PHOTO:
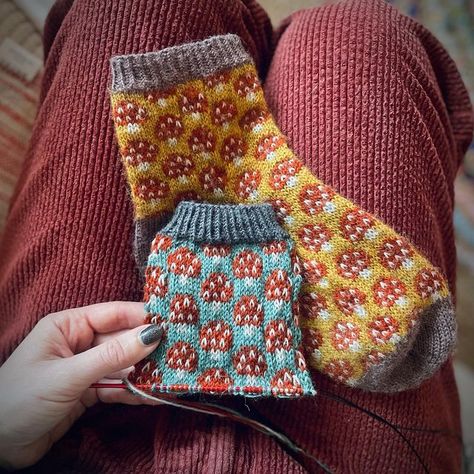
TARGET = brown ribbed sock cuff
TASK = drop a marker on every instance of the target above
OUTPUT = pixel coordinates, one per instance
(177, 64)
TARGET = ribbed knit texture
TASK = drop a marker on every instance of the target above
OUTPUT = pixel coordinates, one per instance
(369, 100)
(178, 64)
(225, 223)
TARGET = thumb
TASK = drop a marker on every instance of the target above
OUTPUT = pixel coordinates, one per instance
(115, 354)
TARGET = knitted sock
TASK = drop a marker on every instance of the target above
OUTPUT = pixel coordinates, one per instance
(192, 124)
(222, 280)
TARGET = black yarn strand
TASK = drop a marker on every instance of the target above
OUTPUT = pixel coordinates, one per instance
(380, 419)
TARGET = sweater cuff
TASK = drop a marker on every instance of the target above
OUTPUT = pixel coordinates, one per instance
(177, 64)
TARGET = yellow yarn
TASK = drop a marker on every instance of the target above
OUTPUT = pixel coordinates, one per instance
(341, 344)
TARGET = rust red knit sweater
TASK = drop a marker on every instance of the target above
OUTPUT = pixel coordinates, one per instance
(372, 103)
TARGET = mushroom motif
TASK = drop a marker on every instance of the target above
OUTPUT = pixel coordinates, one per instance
(215, 336)
(129, 114)
(248, 311)
(350, 301)
(169, 127)
(217, 288)
(182, 356)
(357, 225)
(295, 262)
(345, 335)
(217, 251)
(429, 283)
(145, 372)
(314, 272)
(215, 380)
(178, 166)
(139, 153)
(284, 174)
(183, 309)
(340, 370)
(160, 97)
(282, 211)
(248, 360)
(285, 382)
(300, 361)
(267, 147)
(218, 80)
(156, 283)
(160, 243)
(247, 265)
(312, 341)
(274, 247)
(278, 286)
(247, 184)
(253, 119)
(184, 262)
(278, 336)
(154, 318)
(395, 253)
(389, 291)
(246, 85)
(316, 198)
(151, 190)
(314, 306)
(384, 329)
(223, 112)
(233, 149)
(213, 179)
(202, 141)
(353, 263)
(193, 102)
(315, 237)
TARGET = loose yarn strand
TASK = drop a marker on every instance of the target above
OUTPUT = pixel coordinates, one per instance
(225, 412)
(264, 426)
(379, 418)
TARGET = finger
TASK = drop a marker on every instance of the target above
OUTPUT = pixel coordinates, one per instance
(79, 326)
(101, 338)
(114, 395)
(120, 374)
(112, 316)
(113, 355)
(122, 395)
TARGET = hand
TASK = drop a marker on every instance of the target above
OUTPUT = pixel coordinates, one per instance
(44, 385)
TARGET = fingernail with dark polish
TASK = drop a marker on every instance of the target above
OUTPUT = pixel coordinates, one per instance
(150, 334)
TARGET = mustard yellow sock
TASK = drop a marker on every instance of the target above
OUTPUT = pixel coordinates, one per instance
(192, 124)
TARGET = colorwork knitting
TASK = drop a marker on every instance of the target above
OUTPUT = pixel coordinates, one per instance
(192, 124)
(223, 282)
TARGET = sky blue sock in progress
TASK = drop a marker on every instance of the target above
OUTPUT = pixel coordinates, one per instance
(223, 281)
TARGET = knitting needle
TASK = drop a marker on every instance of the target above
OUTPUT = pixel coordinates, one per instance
(114, 385)
(108, 385)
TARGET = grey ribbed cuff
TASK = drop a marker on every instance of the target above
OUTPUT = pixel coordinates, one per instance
(177, 64)
(224, 223)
